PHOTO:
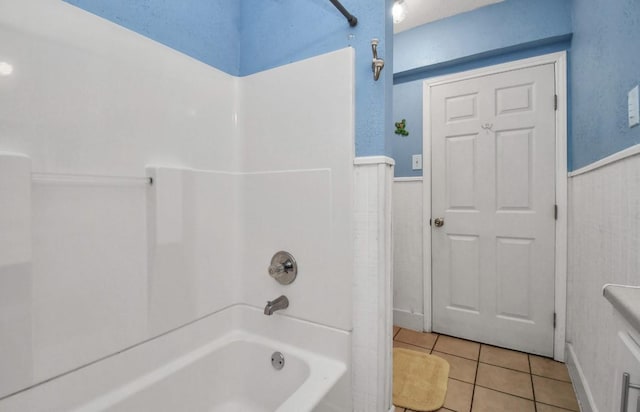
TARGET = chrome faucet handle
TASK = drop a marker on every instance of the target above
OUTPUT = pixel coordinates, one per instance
(283, 268)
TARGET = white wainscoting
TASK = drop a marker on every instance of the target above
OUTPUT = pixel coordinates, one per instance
(408, 222)
(373, 285)
(604, 245)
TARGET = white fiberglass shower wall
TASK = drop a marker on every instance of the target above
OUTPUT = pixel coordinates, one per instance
(241, 167)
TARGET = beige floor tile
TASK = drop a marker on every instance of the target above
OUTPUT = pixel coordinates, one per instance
(458, 347)
(505, 358)
(397, 344)
(549, 368)
(504, 380)
(459, 396)
(396, 329)
(459, 368)
(486, 400)
(398, 409)
(554, 392)
(422, 339)
(541, 407)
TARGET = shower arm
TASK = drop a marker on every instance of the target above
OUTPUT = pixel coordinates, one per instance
(353, 21)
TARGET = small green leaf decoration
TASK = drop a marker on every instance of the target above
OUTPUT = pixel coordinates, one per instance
(400, 128)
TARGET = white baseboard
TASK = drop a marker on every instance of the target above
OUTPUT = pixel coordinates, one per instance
(408, 320)
(580, 384)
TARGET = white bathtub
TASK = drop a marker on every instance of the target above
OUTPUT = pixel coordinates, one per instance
(219, 363)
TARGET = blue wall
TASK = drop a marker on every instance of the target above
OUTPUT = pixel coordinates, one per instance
(407, 104)
(605, 64)
(504, 25)
(205, 30)
(248, 36)
(507, 31)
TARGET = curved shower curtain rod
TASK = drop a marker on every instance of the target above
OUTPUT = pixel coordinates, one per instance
(350, 17)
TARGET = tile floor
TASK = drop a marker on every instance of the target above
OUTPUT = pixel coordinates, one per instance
(485, 378)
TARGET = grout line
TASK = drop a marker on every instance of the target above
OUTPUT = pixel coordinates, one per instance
(457, 356)
(475, 379)
(434, 344)
(460, 380)
(504, 367)
(511, 350)
(396, 334)
(415, 346)
(556, 406)
(553, 379)
(506, 393)
(533, 390)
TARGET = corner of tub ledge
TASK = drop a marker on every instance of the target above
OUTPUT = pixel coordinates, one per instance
(608, 287)
(626, 301)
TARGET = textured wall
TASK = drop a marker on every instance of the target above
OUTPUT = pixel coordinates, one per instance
(604, 239)
(604, 66)
(205, 30)
(407, 104)
(491, 35)
(499, 26)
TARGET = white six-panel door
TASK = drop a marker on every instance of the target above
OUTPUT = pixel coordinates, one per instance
(493, 186)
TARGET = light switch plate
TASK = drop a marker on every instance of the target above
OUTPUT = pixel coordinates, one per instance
(634, 107)
(416, 162)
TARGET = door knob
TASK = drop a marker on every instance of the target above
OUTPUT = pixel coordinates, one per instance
(439, 222)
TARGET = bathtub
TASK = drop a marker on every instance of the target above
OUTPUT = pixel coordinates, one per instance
(221, 362)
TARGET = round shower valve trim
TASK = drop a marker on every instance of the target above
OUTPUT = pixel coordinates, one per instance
(283, 268)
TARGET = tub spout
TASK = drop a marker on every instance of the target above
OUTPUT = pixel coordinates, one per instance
(280, 303)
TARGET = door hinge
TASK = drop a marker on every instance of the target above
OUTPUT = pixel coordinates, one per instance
(555, 102)
(555, 212)
(554, 320)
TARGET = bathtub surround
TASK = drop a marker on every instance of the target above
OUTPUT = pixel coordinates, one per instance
(15, 272)
(219, 362)
(272, 34)
(115, 264)
(188, 212)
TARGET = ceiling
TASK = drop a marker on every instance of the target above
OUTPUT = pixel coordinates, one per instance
(424, 11)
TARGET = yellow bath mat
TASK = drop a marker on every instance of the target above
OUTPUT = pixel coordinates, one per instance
(419, 380)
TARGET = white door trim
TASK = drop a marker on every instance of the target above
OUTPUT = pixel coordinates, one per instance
(559, 60)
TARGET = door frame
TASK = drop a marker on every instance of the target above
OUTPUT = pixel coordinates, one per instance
(559, 60)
